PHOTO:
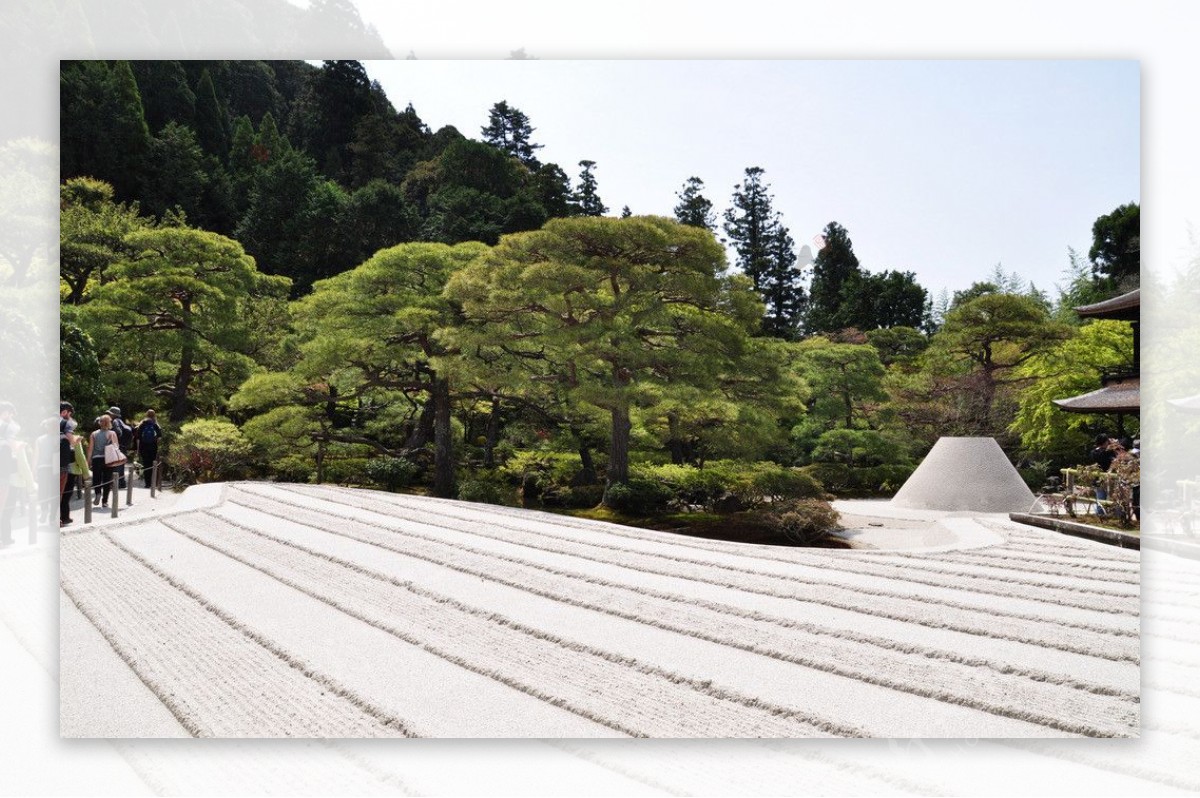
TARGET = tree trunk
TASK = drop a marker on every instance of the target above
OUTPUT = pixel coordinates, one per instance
(675, 443)
(183, 376)
(423, 432)
(443, 446)
(587, 470)
(618, 452)
(492, 434)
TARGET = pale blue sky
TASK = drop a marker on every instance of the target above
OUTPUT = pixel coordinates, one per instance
(944, 168)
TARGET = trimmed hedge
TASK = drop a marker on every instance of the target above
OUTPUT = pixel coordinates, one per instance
(844, 480)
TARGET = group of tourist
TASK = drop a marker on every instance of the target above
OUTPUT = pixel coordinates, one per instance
(108, 448)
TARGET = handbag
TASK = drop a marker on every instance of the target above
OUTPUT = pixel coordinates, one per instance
(113, 456)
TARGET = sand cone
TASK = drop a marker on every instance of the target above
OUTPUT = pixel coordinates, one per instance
(965, 474)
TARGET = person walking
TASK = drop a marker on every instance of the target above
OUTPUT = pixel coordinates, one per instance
(146, 436)
(102, 475)
(125, 440)
(67, 442)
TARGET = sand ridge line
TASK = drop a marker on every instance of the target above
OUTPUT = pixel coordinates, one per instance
(920, 610)
(697, 705)
(1077, 596)
(532, 577)
(269, 689)
(1047, 567)
(994, 693)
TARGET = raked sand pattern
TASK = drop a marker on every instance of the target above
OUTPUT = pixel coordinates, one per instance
(311, 611)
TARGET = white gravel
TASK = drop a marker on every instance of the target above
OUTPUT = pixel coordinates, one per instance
(272, 610)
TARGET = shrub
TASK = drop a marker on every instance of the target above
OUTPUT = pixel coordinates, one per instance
(209, 450)
(844, 480)
(485, 487)
(802, 521)
(346, 470)
(638, 497)
(293, 468)
(550, 478)
(392, 473)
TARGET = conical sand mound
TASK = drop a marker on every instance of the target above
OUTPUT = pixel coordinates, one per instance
(965, 474)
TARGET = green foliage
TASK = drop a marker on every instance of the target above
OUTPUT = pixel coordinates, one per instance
(766, 254)
(1069, 369)
(586, 200)
(179, 312)
(694, 208)
(79, 367)
(858, 447)
(392, 473)
(508, 130)
(92, 230)
(1116, 248)
(728, 484)
(898, 345)
(606, 309)
(638, 497)
(486, 488)
(209, 450)
(835, 266)
(842, 479)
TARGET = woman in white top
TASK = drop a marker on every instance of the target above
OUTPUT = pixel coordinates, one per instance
(101, 437)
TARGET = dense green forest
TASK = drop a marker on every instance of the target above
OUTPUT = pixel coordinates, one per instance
(314, 285)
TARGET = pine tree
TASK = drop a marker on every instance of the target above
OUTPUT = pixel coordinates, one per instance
(509, 130)
(694, 208)
(766, 254)
(586, 201)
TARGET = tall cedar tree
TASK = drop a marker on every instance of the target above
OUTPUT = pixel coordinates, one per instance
(694, 208)
(835, 266)
(586, 200)
(766, 254)
(210, 118)
(509, 130)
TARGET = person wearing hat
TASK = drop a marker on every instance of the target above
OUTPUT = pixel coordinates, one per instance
(124, 440)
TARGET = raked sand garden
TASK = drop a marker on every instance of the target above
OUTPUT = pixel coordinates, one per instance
(272, 610)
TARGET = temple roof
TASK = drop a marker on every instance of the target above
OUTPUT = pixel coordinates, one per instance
(1116, 397)
(1126, 307)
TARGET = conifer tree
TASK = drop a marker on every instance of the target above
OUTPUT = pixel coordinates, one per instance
(586, 201)
(210, 118)
(834, 267)
(509, 130)
(766, 254)
(694, 208)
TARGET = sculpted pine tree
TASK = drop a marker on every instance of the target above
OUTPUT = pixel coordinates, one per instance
(182, 308)
(611, 307)
(376, 329)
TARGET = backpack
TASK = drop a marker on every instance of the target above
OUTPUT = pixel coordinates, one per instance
(149, 432)
(65, 455)
(124, 434)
